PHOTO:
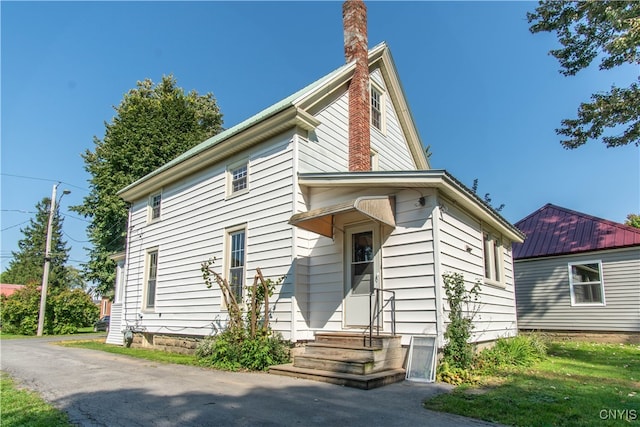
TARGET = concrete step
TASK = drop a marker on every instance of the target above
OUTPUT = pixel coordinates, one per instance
(365, 382)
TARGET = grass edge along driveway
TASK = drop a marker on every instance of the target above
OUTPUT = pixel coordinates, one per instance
(579, 384)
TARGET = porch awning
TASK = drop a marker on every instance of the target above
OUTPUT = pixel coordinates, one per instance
(378, 208)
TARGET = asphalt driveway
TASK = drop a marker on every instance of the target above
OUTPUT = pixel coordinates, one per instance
(102, 389)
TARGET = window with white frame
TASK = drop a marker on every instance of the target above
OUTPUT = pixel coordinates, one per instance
(585, 283)
(377, 108)
(237, 255)
(492, 254)
(238, 175)
(151, 279)
(154, 206)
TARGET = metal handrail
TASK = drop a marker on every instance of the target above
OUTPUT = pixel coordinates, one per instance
(379, 310)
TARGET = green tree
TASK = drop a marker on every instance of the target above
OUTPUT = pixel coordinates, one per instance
(609, 30)
(153, 125)
(633, 220)
(27, 264)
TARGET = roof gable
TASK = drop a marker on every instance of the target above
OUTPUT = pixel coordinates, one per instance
(290, 111)
(553, 230)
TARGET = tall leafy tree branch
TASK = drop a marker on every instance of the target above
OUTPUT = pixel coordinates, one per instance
(153, 124)
(587, 30)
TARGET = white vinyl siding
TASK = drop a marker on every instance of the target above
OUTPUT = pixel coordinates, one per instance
(461, 251)
(196, 215)
(326, 149)
(544, 295)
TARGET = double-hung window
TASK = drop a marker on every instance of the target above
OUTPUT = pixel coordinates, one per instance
(236, 261)
(237, 178)
(492, 254)
(377, 111)
(152, 277)
(154, 206)
(585, 283)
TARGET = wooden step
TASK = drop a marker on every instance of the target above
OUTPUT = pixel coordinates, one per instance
(357, 339)
(365, 382)
(347, 365)
(351, 352)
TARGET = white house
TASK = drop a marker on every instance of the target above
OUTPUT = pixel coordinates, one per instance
(330, 187)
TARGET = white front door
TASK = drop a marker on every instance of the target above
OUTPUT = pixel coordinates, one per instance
(361, 275)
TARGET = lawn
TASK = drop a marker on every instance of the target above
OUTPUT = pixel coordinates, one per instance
(25, 408)
(579, 384)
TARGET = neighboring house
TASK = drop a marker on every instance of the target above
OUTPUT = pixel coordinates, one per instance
(331, 188)
(576, 272)
(7, 289)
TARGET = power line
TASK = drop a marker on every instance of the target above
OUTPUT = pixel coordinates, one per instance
(18, 210)
(44, 179)
(14, 226)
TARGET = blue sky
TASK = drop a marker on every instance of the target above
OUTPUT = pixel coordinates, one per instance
(484, 92)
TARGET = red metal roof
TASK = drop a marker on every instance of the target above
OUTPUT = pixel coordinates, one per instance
(553, 230)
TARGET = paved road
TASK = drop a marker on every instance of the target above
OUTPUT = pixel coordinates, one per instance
(102, 389)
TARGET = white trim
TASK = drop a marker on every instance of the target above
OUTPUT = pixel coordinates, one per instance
(571, 284)
(382, 100)
(145, 285)
(495, 252)
(150, 207)
(229, 231)
(231, 167)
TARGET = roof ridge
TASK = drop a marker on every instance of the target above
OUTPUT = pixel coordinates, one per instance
(595, 218)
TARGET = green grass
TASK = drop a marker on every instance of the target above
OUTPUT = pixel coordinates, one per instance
(141, 353)
(25, 408)
(579, 384)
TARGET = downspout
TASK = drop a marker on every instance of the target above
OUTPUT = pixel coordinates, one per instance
(437, 271)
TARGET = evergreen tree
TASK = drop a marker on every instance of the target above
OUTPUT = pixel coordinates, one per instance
(153, 125)
(27, 264)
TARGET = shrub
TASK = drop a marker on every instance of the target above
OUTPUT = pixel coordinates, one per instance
(66, 311)
(458, 352)
(522, 350)
(226, 351)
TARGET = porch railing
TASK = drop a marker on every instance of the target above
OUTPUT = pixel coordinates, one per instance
(376, 310)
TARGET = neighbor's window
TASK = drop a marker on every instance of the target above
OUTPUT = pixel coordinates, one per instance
(585, 282)
(238, 175)
(492, 254)
(154, 206)
(376, 108)
(152, 277)
(237, 255)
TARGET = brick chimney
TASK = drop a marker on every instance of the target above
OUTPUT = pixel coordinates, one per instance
(354, 19)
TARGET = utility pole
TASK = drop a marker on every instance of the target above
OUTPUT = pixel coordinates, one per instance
(47, 259)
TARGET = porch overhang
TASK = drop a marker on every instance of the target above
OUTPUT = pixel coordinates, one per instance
(321, 221)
